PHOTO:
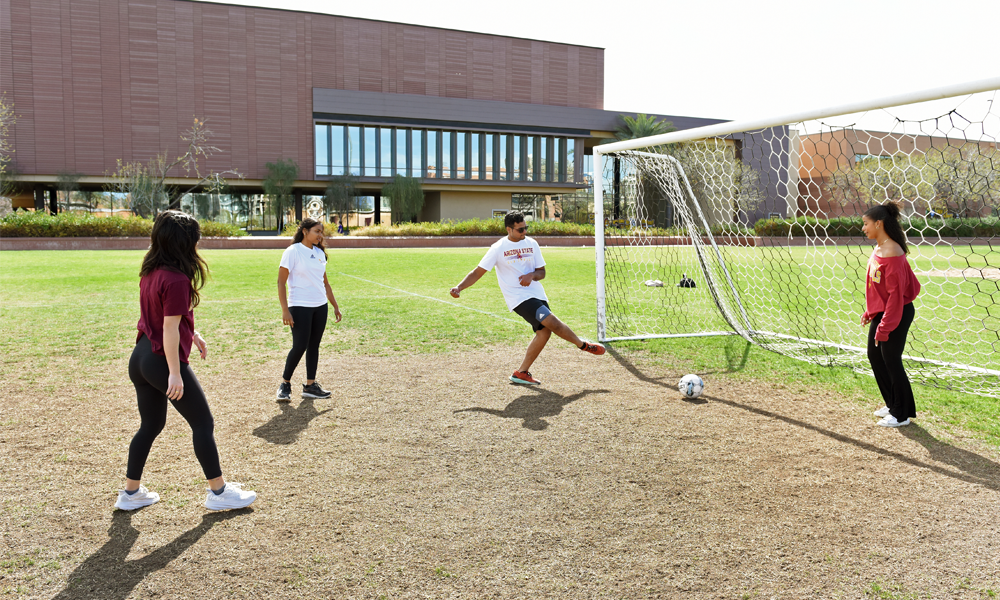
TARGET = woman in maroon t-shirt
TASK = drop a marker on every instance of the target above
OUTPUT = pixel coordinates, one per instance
(172, 273)
(890, 287)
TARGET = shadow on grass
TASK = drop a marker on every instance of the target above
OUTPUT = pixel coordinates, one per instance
(532, 408)
(285, 428)
(972, 468)
(985, 472)
(107, 575)
(971, 463)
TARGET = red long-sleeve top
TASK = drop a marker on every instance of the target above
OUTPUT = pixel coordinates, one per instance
(890, 284)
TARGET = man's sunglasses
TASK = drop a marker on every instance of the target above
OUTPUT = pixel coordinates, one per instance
(520, 229)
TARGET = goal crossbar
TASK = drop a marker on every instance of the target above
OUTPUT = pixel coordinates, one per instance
(730, 127)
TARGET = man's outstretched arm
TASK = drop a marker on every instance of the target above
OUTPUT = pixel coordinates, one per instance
(469, 281)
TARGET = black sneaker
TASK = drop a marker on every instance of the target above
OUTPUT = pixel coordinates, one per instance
(314, 390)
(285, 392)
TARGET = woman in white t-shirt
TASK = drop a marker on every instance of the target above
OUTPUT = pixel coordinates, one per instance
(303, 307)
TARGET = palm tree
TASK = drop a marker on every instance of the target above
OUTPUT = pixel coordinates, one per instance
(641, 126)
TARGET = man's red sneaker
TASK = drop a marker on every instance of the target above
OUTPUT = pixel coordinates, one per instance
(593, 348)
(525, 378)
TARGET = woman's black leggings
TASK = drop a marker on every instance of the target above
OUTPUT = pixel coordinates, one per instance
(887, 363)
(148, 372)
(310, 323)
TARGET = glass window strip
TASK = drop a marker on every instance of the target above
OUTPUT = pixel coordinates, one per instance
(417, 153)
(372, 151)
(402, 151)
(474, 156)
(433, 157)
(385, 151)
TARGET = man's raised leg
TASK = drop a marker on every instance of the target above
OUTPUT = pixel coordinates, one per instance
(553, 324)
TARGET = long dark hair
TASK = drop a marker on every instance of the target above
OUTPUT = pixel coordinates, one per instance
(300, 233)
(174, 246)
(888, 213)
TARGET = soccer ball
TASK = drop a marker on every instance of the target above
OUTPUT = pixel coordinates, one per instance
(691, 386)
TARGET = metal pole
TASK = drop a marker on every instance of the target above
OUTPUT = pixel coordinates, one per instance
(618, 189)
(599, 242)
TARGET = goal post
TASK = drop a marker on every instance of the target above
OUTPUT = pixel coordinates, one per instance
(752, 228)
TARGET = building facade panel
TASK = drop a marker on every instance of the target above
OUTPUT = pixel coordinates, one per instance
(240, 146)
(86, 87)
(47, 85)
(124, 78)
(6, 54)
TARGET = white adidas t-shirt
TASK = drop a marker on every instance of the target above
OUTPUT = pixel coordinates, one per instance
(513, 259)
(306, 267)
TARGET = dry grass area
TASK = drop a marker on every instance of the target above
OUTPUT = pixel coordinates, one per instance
(432, 477)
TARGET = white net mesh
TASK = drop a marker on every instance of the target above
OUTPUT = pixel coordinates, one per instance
(766, 226)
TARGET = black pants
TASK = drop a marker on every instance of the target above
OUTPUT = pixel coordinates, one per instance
(310, 323)
(887, 363)
(148, 372)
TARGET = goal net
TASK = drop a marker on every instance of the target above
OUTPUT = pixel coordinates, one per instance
(754, 229)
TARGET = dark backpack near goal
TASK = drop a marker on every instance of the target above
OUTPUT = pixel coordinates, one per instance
(686, 282)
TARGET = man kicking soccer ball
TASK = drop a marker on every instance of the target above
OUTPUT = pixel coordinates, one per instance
(520, 267)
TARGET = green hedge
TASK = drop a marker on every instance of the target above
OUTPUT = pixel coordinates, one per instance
(490, 227)
(495, 228)
(40, 224)
(851, 226)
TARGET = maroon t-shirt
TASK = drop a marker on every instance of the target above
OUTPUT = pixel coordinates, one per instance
(165, 293)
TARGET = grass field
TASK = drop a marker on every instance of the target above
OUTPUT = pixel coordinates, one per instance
(427, 475)
(818, 293)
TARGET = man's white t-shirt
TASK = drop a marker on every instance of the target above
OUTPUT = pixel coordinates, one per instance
(306, 267)
(513, 259)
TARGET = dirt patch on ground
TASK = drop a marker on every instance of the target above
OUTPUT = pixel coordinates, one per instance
(432, 477)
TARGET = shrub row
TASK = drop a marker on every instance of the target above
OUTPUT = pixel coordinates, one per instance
(495, 227)
(851, 226)
(489, 227)
(40, 224)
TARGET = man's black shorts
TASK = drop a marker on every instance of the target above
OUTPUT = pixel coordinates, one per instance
(533, 311)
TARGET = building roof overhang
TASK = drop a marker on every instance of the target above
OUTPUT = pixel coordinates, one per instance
(416, 110)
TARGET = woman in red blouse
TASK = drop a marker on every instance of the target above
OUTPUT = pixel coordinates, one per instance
(890, 288)
(171, 276)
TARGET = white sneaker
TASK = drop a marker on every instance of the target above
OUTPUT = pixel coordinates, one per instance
(142, 497)
(232, 496)
(882, 412)
(890, 421)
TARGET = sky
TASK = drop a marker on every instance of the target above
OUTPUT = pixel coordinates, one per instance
(732, 59)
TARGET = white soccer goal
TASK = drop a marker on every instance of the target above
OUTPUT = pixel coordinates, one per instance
(711, 206)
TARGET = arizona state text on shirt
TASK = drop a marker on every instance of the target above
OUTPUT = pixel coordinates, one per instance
(518, 252)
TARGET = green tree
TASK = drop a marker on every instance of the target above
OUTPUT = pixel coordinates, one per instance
(655, 207)
(68, 182)
(338, 199)
(144, 185)
(959, 180)
(642, 125)
(278, 184)
(722, 183)
(406, 197)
